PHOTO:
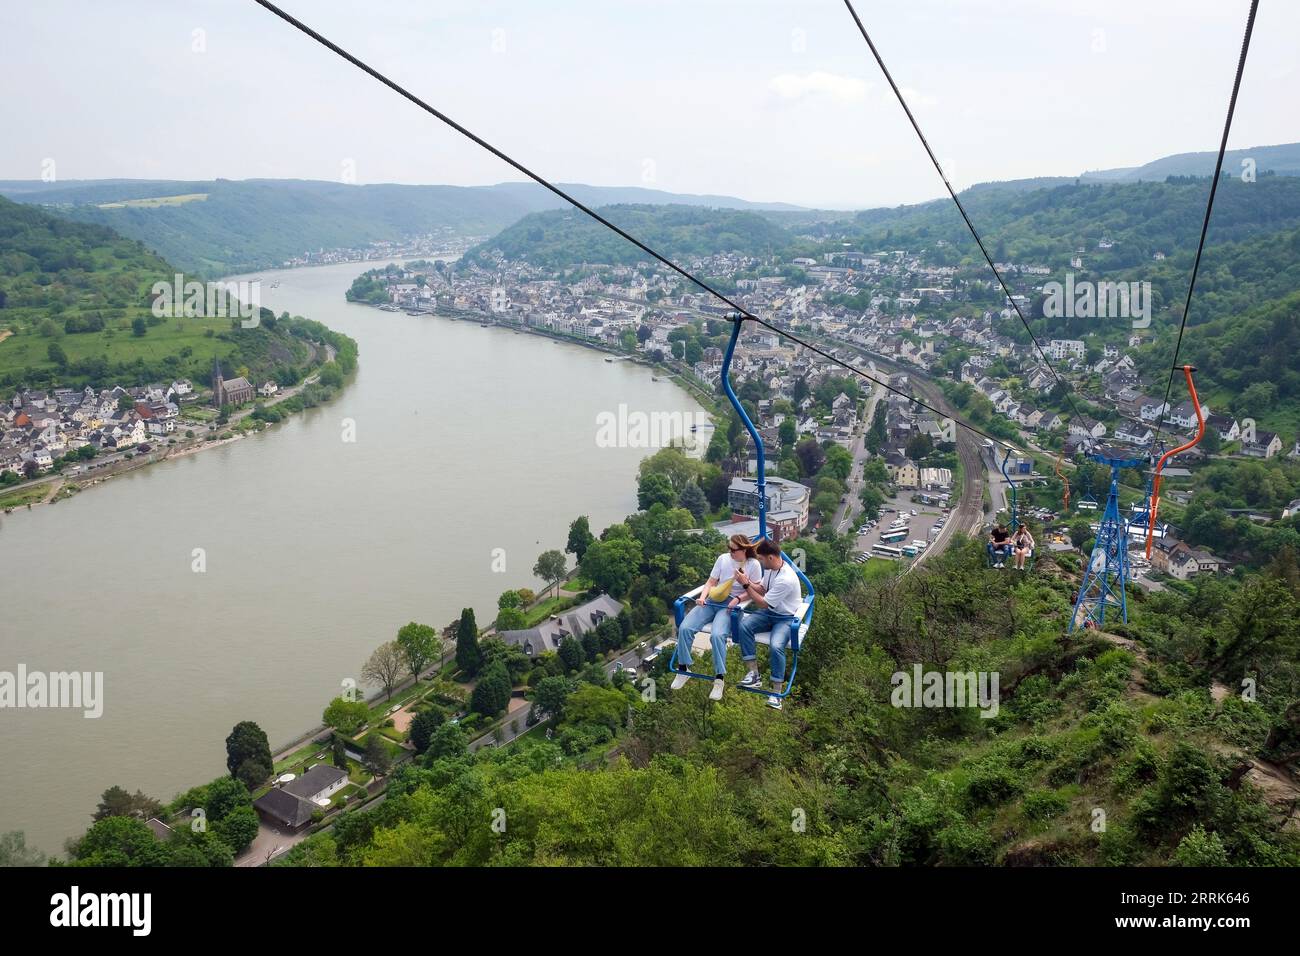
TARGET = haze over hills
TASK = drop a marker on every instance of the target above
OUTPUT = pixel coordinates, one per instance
(222, 226)
(226, 226)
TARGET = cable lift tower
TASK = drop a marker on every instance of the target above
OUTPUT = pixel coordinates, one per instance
(1105, 579)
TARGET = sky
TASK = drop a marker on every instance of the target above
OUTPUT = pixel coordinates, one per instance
(768, 101)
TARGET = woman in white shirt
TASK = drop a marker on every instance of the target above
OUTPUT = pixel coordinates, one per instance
(721, 595)
(1022, 546)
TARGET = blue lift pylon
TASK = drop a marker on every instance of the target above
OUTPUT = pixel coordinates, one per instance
(1105, 579)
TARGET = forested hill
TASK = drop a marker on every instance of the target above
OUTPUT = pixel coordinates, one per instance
(1096, 749)
(563, 238)
(1050, 224)
(225, 226)
(75, 310)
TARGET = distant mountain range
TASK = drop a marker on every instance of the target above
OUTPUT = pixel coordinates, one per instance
(222, 226)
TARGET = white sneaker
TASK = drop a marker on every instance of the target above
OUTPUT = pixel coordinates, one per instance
(715, 692)
(679, 681)
(774, 702)
(751, 679)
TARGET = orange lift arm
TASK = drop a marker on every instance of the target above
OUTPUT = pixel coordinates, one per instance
(1065, 481)
(1155, 484)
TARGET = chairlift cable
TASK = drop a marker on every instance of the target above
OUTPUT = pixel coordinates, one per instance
(902, 101)
(741, 313)
(1209, 208)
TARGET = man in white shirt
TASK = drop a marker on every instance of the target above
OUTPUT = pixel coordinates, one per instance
(715, 612)
(775, 602)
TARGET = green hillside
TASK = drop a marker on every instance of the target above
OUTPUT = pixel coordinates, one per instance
(75, 310)
(1100, 749)
(564, 238)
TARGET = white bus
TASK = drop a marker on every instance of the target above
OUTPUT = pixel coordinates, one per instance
(898, 534)
(885, 551)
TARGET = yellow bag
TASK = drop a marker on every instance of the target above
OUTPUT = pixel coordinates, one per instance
(721, 592)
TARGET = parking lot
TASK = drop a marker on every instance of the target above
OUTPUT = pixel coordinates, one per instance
(922, 526)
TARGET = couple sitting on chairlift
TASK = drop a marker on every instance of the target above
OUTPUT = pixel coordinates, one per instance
(751, 571)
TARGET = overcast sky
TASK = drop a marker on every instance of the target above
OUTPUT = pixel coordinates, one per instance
(765, 100)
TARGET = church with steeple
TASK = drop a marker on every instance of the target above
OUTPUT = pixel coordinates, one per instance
(236, 391)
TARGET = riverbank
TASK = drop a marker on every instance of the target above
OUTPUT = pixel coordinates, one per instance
(712, 401)
(27, 494)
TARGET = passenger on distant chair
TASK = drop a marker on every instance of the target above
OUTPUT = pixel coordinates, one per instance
(1023, 545)
(721, 595)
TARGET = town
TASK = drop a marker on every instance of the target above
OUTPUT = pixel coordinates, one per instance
(912, 316)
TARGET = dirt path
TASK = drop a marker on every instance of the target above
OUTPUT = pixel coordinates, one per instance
(5, 333)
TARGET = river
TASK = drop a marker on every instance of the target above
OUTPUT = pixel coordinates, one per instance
(317, 549)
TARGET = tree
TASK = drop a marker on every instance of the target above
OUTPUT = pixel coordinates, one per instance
(238, 828)
(787, 433)
(551, 568)
(117, 802)
(247, 741)
(510, 619)
(56, 354)
(590, 704)
(694, 501)
(810, 455)
(384, 668)
(118, 842)
(492, 692)
(919, 446)
(377, 758)
(139, 327)
(253, 772)
(419, 646)
(655, 489)
(468, 656)
(550, 694)
(508, 600)
(448, 741)
(224, 796)
(571, 653)
(14, 851)
(611, 565)
(580, 537)
(340, 753)
(872, 499)
(1080, 531)
(838, 464)
(346, 716)
(423, 727)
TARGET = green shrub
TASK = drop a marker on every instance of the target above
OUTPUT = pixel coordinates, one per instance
(1199, 848)
(1040, 805)
(990, 785)
(962, 844)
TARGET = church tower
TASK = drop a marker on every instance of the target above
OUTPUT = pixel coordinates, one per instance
(218, 384)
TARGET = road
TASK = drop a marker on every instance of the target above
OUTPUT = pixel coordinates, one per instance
(852, 503)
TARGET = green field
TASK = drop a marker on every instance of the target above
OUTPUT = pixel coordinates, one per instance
(155, 202)
(16, 499)
(28, 349)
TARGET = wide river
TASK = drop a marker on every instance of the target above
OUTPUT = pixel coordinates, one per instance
(317, 549)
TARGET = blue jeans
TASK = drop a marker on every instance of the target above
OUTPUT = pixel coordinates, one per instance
(698, 618)
(999, 552)
(751, 624)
